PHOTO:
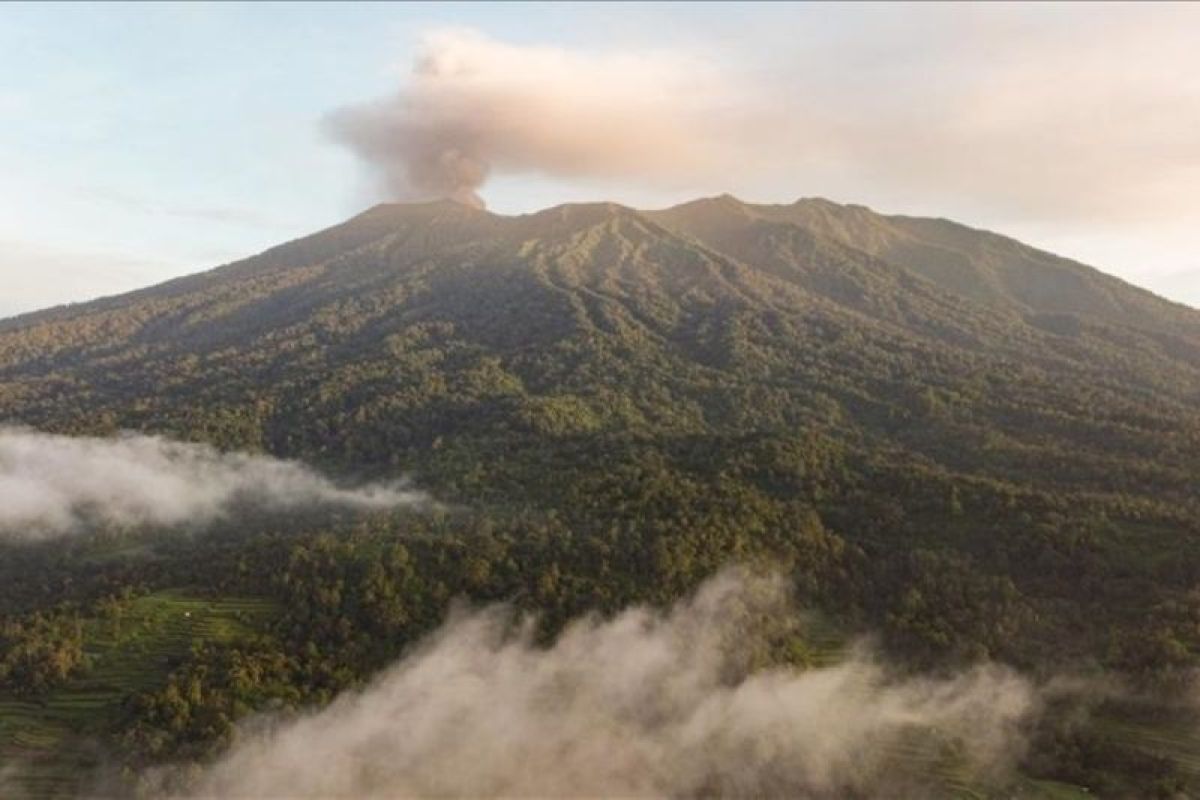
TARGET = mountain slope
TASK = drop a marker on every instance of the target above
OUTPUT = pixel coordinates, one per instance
(616, 403)
(409, 323)
(981, 265)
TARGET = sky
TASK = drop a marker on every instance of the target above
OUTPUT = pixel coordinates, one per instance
(140, 142)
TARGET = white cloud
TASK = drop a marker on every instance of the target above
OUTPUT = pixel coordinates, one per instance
(644, 704)
(52, 484)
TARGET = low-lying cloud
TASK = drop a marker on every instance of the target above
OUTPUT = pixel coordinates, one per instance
(645, 704)
(52, 484)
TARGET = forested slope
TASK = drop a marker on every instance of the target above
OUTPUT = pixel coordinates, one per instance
(976, 449)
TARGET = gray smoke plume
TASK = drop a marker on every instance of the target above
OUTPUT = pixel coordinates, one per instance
(52, 484)
(473, 105)
(644, 704)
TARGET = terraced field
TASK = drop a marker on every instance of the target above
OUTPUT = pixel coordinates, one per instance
(1178, 740)
(46, 745)
(925, 754)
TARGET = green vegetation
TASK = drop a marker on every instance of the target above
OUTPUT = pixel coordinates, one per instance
(49, 733)
(970, 448)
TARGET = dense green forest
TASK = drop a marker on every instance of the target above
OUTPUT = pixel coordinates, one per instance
(965, 447)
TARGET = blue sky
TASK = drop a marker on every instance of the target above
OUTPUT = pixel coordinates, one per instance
(139, 142)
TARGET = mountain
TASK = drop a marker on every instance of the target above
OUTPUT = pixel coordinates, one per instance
(975, 448)
(414, 322)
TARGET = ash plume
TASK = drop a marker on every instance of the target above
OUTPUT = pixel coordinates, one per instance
(472, 106)
(645, 704)
(51, 484)
(932, 107)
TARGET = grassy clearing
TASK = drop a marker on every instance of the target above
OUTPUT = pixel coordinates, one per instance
(44, 741)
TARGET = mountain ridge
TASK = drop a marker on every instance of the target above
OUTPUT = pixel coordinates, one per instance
(885, 235)
(849, 224)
